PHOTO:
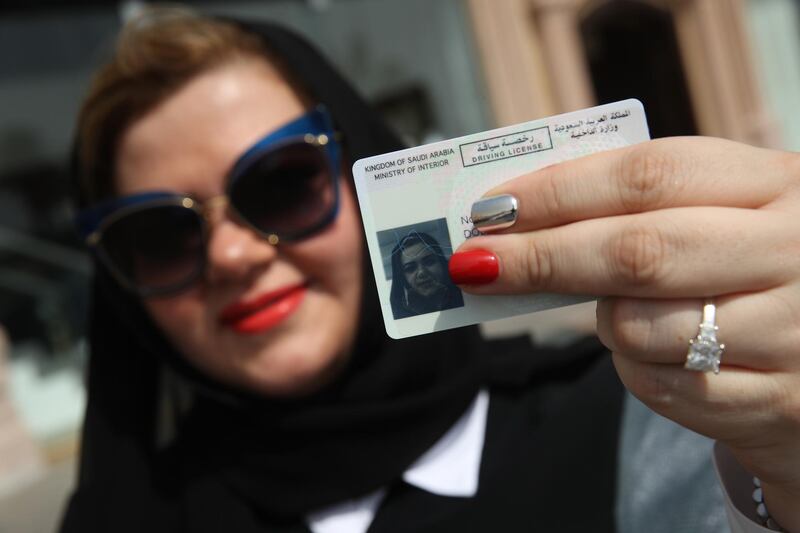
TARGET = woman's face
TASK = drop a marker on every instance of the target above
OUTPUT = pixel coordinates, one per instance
(295, 306)
(422, 269)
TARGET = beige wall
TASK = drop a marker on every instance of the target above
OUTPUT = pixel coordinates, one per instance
(534, 63)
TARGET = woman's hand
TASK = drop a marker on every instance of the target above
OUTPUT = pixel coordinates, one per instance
(654, 229)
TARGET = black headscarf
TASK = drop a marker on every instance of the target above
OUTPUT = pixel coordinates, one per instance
(252, 464)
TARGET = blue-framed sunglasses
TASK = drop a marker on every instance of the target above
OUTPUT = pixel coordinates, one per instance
(284, 187)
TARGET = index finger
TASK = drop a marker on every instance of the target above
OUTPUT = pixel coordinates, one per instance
(661, 174)
(677, 253)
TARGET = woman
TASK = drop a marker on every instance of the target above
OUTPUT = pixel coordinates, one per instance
(239, 378)
(420, 283)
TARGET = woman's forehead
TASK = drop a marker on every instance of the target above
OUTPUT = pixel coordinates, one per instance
(190, 141)
(416, 251)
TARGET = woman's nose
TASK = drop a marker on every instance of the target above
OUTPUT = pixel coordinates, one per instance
(236, 252)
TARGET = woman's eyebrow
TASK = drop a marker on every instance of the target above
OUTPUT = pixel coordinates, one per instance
(201, 197)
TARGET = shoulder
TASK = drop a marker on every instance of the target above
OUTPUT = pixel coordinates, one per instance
(552, 438)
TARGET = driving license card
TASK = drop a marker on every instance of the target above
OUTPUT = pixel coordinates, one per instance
(416, 204)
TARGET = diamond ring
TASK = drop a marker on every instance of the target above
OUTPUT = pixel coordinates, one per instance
(705, 350)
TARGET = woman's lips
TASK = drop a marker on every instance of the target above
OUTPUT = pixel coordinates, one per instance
(263, 312)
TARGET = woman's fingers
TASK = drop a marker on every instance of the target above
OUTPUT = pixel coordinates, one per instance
(657, 228)
(757, 328)
(671, 253)
(725, 406)
(677, 172)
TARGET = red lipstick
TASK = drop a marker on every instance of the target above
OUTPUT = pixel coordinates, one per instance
(263, 312)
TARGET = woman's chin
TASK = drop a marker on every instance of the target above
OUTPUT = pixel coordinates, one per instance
(291, 374)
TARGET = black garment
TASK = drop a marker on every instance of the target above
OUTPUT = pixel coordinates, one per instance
(248, 464)
(548, 460)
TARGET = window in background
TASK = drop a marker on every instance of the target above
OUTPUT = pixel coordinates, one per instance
(650, 70)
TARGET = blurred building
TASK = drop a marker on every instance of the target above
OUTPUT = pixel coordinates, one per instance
(727, 68)
(20, 459)
(435, 69)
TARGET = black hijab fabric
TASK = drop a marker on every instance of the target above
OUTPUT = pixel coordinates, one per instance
(247, 464)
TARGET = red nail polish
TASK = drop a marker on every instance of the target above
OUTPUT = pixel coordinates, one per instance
(475, 267)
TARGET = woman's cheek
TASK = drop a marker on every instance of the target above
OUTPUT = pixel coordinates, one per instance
(340, 255)
(182, 317)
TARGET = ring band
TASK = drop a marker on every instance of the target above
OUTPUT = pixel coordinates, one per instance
(705, 351)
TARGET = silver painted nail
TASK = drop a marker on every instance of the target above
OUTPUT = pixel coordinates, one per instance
(494, 212)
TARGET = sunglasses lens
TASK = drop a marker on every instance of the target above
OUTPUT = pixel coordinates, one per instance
(157, 248)
(288, 191)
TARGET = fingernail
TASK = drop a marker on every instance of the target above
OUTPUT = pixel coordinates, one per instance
(475, 267)
(494, 212)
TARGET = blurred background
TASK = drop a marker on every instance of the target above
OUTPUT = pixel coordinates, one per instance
(435, 68)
